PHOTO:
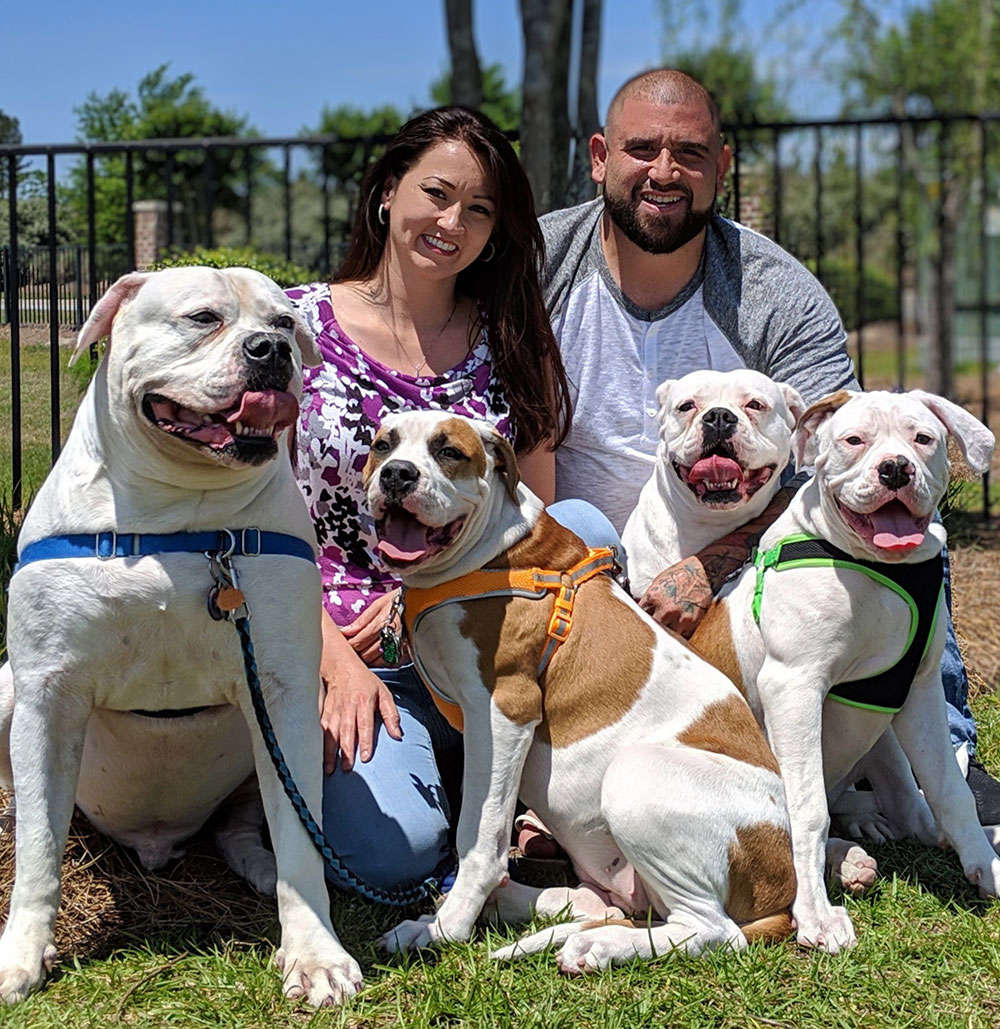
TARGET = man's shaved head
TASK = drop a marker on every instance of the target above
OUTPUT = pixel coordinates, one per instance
(664, 86)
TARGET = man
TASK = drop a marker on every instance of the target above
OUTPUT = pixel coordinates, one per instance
(648, 283)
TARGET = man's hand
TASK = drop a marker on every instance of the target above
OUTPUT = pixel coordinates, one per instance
(679, 597)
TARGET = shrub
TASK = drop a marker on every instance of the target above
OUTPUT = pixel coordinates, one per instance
(284, 272)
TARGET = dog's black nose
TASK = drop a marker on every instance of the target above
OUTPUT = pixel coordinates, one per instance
(894, 472)
(270, 357)
(397, 478)
(719, 422)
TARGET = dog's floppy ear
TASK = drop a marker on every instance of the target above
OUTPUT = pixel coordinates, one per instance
(103, 314)
(793, 401)
(662, 391)
(974, 439)
(503, 456)
(804, 438)
(311, 357)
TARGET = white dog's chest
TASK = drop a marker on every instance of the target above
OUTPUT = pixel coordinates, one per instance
(135, 632)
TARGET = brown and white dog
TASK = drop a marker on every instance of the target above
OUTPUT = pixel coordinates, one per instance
(881, 469)
(642, 759)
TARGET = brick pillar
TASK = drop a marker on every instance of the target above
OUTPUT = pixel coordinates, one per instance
(151, 230)
(755, 203)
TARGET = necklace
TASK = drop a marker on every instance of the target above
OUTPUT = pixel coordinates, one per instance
(426, 351)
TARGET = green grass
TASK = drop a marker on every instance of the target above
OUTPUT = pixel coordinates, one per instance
(36, 408)
(928, 955)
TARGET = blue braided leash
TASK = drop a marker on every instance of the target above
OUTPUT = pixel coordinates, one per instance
(400, 897)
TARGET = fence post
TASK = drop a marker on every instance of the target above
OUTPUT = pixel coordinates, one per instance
(4, 282)
(78, 282)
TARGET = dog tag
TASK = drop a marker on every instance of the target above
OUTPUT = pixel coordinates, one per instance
(222, 600)
(388, 642)
(228, 598)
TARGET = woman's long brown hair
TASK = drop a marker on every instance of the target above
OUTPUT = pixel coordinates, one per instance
(506, 290)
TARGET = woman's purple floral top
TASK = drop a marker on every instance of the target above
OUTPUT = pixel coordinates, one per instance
(343, 402)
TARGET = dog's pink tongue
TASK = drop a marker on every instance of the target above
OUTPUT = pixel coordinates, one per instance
(895, 528)
(266, 408)
(402, 538)
(715, 469)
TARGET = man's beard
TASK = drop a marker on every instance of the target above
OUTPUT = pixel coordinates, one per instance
(657, 236)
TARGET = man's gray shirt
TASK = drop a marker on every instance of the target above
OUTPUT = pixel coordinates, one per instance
(750, 305)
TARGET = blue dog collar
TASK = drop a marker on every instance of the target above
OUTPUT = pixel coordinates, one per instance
(249, 542)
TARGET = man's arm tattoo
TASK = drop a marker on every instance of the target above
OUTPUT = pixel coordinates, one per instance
(683, 588)
(725, 557)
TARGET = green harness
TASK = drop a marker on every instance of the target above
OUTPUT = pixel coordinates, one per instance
(920, 585)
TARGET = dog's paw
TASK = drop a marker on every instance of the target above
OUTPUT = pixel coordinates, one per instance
(17, 981)
(411, 934)
(594, 949)
(851, 866)
(832, 931)
(322, 979)
(260, 871)
(987, 878)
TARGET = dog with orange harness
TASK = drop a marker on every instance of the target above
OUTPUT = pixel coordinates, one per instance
(642, 759)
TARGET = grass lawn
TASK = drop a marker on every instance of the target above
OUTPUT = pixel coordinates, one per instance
(929, 955)
(36, 411)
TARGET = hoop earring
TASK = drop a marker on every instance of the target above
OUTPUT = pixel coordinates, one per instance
(493, 252)
(382, 215)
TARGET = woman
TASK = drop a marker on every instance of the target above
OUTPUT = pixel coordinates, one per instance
(436, 305)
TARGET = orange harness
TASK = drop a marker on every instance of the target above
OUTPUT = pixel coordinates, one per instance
(532, 583)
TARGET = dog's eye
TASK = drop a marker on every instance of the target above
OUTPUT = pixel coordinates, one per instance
(452, 454)
(284, 321)
(923, 439)
(855, 441)
(381, 446)
(204, 317)
(756, 405)
(688, 405)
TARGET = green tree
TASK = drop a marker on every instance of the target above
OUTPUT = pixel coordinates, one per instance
(346, 159)
(939, 58)
(500, 102)
(721, 56)
(10, 132)
(164, 107)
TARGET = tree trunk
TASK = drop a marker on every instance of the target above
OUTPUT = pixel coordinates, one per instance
(542, 24)
(466, 75)
(581, 187)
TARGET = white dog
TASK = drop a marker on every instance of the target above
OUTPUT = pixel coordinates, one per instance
(641, 758)
(826, 649)
(725, 439)
(126, 695)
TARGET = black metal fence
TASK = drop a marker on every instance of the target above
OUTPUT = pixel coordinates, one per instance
(36, 282)
(900, 219)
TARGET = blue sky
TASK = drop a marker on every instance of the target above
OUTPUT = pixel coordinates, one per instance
(279, 64)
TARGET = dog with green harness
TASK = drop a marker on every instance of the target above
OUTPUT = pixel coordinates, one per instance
(835, 635)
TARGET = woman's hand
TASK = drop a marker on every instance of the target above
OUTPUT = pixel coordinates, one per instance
(363, 633)
(353, 696)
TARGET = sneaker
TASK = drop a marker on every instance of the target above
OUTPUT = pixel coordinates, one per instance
(986, 791)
